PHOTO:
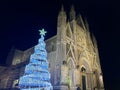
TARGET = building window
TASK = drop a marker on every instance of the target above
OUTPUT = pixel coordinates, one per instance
(68, 33)
(83, 69)
(15, 83)
(64, 62)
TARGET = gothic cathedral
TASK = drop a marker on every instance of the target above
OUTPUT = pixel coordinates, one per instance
(72, 55)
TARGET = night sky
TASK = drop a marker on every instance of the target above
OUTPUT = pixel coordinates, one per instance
(20, 21)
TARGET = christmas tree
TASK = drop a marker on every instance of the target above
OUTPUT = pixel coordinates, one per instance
(37, 76)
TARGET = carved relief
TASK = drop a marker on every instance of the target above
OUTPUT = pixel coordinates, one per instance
(80, 38)
(64, 74)
(71, 72)
(68, 33)
(67, 48)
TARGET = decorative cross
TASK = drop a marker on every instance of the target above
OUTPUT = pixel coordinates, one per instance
(42, 32)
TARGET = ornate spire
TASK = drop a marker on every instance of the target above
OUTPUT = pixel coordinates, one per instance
(86, 24)
(80, 21)
(62, 17)
(72, 13)
(62, 11)
(72, 8)
(62, 8)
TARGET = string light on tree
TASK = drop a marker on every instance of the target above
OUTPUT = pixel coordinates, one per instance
(37, 76)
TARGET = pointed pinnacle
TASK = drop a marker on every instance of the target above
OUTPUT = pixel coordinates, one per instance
(62, 8)
(72, 8)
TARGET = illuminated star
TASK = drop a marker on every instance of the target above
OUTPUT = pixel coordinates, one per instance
(42, 32)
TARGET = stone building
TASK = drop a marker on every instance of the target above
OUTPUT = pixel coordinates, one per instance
(72, 55)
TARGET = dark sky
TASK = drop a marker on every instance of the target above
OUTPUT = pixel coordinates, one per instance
(20, 21)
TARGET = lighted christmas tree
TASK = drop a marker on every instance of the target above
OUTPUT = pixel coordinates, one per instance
(37, 76)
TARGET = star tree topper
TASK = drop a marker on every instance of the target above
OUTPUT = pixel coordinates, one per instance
(42, 32)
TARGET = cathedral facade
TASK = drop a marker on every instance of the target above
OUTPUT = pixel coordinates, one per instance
(73, 58)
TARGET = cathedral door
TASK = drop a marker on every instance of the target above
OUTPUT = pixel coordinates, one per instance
(83, 82)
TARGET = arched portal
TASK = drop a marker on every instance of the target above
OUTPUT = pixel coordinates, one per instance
(86, 75)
